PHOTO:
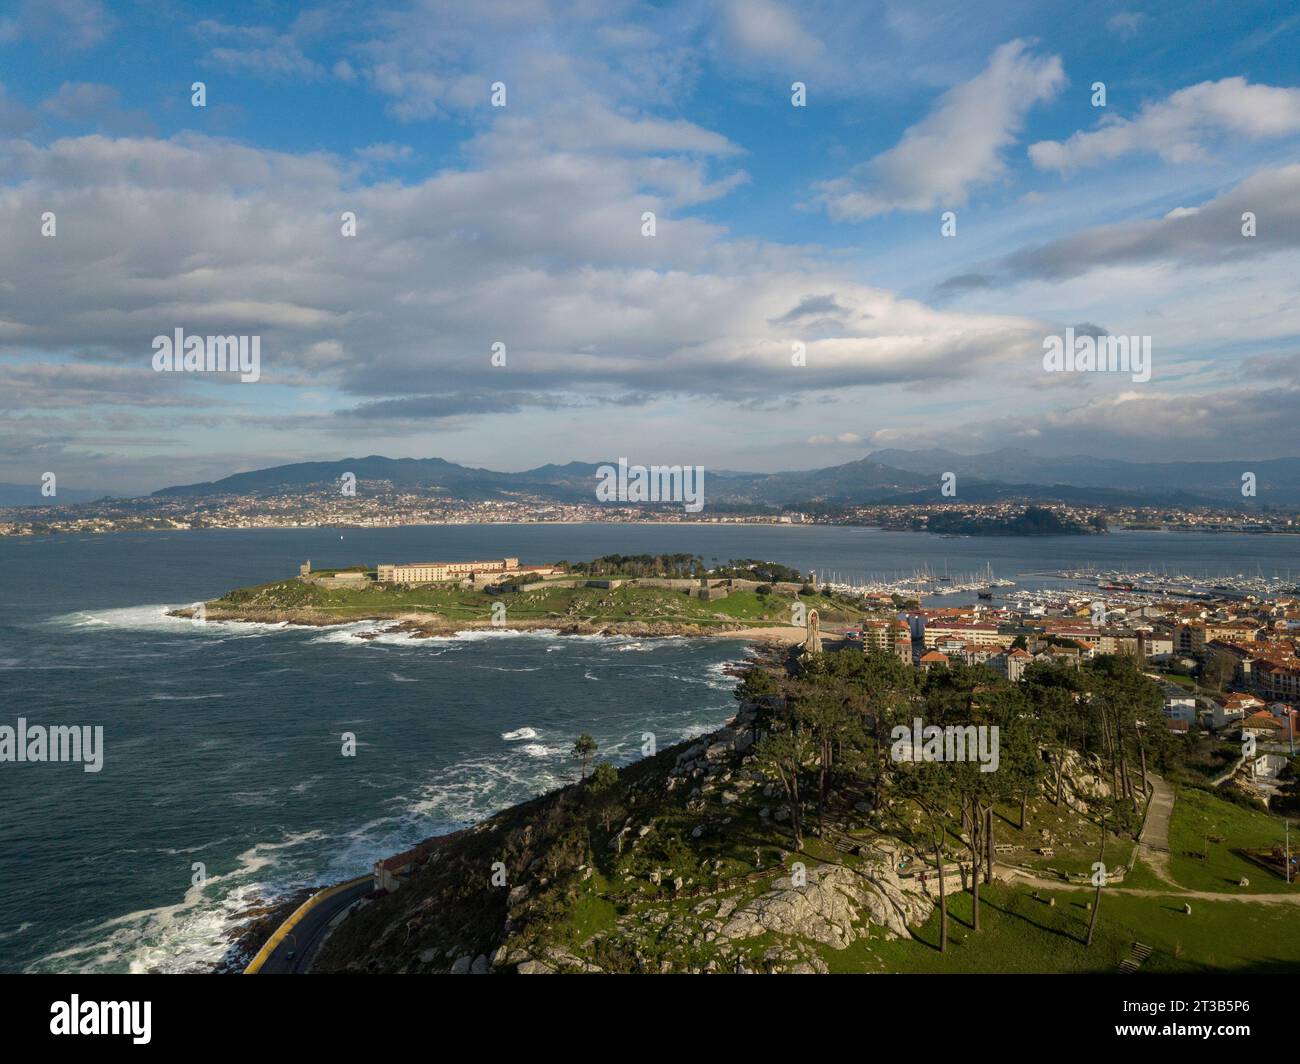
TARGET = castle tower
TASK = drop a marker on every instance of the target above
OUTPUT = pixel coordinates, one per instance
(305, 568)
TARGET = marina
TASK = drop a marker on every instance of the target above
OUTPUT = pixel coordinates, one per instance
(1180, 584)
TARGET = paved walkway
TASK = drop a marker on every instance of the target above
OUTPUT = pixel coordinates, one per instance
(1153, 843)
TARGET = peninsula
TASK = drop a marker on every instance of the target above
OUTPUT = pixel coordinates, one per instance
(616, 595)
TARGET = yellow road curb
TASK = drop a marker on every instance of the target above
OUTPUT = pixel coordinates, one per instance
(282, 932)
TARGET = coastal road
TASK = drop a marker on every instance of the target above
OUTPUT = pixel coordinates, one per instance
(293, 955)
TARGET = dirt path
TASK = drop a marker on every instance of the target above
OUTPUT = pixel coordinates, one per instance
(1015, 875)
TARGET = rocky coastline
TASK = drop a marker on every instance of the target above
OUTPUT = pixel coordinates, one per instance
(426, 626)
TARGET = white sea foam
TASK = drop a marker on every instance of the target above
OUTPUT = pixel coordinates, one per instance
(521, 733)
(16, 931)
(478, 635)
(156, 618)
(188, 936)
(183, 698)
(347, 633)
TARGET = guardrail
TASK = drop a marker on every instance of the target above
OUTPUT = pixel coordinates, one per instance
(282, 932)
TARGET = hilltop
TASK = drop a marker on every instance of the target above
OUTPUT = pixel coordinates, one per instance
(765, 849)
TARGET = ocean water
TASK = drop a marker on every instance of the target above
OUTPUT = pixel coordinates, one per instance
(223, 742)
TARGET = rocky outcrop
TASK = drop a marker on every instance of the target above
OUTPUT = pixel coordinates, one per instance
(832, 908)
(1083, 781)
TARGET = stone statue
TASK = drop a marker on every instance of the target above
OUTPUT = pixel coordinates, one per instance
(813, 644)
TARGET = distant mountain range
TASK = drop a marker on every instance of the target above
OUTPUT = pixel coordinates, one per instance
(888, 476)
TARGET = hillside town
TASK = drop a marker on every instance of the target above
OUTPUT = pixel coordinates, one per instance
(383, 505)
(327, 508)
(1229, 668)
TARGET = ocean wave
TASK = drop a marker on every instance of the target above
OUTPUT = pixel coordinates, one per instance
(182, 698)
(190, 935)
(347, 633)
(16, 931)
(657, 643)
(156, 618)
(478, 635)
(521, 733)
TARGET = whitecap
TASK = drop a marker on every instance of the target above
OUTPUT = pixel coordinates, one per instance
(183, 698)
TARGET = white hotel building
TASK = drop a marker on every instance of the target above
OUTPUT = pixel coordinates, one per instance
(432, 572)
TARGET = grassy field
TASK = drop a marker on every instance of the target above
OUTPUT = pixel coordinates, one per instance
(1021, 933)
(539, 602)
(1198, 814)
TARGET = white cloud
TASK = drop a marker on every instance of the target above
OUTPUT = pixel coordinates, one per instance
(1209, 232)
(259, 51)
(1180, 127)
(958, 146)
(839, 438)
(91, 105)
(766, 28)
(543, 252)
(73, 25)
(1125, 24)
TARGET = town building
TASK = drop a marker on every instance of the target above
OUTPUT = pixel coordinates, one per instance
(931, 658)
(887, 637)
(964, 632)
(434, 572)
(1011, 663)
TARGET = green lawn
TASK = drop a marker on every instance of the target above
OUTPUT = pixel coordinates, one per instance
(1021, 933)
(1197, 813)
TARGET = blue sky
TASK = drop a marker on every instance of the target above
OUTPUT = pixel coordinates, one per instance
(775, 225)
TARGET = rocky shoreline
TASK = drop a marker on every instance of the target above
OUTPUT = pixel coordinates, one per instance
(422, 626)
(837, 905)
